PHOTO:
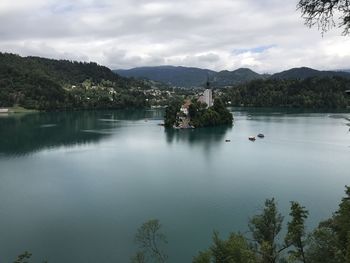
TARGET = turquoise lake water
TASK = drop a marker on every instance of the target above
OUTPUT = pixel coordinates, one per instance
(74, 187)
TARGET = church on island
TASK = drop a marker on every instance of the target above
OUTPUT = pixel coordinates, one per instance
(207, 96)
(199, 112)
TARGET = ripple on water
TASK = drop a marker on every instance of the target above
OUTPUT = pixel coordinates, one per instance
(49, 125)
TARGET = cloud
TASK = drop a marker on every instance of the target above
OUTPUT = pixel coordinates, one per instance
(267, 36)
(259, 49)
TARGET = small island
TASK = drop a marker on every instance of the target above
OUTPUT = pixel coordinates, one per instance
(197, 112)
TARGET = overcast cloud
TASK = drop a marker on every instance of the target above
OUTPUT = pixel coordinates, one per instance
(265, 35)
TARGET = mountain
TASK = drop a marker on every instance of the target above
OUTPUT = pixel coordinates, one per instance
(191, 77)
(238, 76)
(304, 72)
(171, 75)
(48, 84)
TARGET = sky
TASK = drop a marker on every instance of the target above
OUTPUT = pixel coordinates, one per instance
(264, 35)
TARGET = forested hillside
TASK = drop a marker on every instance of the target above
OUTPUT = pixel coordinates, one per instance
(47, 84)
(233, 78)
(327, 92)
(188, 77)
(304, 73)
(174, 76)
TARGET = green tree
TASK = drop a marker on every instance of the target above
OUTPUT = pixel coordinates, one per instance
(139, 257)
(322, 13)
(23, 258)
(296, 231)
(171, 111)
(341, 224)
(235, 249)
(203, 257)
(150, 239)
(323, 245)
(265, 228)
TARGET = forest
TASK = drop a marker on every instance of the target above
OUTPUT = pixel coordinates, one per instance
(316, 93)
(48, 84)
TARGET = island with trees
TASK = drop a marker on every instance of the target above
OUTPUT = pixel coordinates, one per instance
(194, 113)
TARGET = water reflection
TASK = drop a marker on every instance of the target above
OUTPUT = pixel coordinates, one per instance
(29, 133)
(25, 134)
(207, 137)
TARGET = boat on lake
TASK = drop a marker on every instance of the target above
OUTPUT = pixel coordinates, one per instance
(251, 138)
(260, 135)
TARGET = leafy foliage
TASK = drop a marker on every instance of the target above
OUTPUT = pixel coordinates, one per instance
(341, 225)
(23, 258)
(265, 227)
(149, 238)
(212, 116)
(296, 231)
(322, 12)
(235, 249)
(171, 112)
(323, 245)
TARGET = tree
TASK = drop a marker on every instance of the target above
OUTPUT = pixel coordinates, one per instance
(23, 258)
(203, 257)
(235, 249)
(323, 245)
(265, 229)
(322, 12)
(341, 224)
(296, 231)
(150, 239)
(139, 257)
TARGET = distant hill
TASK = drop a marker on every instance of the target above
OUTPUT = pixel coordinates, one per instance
(171, 75)
(191, 77)
(196, 77)
(304, 73)
(239, 76)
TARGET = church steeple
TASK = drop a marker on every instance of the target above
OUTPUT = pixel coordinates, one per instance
(208, 94)
(208, 82)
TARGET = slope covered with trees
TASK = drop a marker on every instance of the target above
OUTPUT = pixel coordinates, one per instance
(195, 77)
(327, 92)
(174, 76)
(192, 77)
(47, 84)
(304, 73)
(238, 76)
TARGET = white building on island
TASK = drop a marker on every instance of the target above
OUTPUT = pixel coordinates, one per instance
(208, 97)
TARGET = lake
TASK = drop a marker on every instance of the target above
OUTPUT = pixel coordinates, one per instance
(74, 187)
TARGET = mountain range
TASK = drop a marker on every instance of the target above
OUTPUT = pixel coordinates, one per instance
(196, 77)
(171, 75)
